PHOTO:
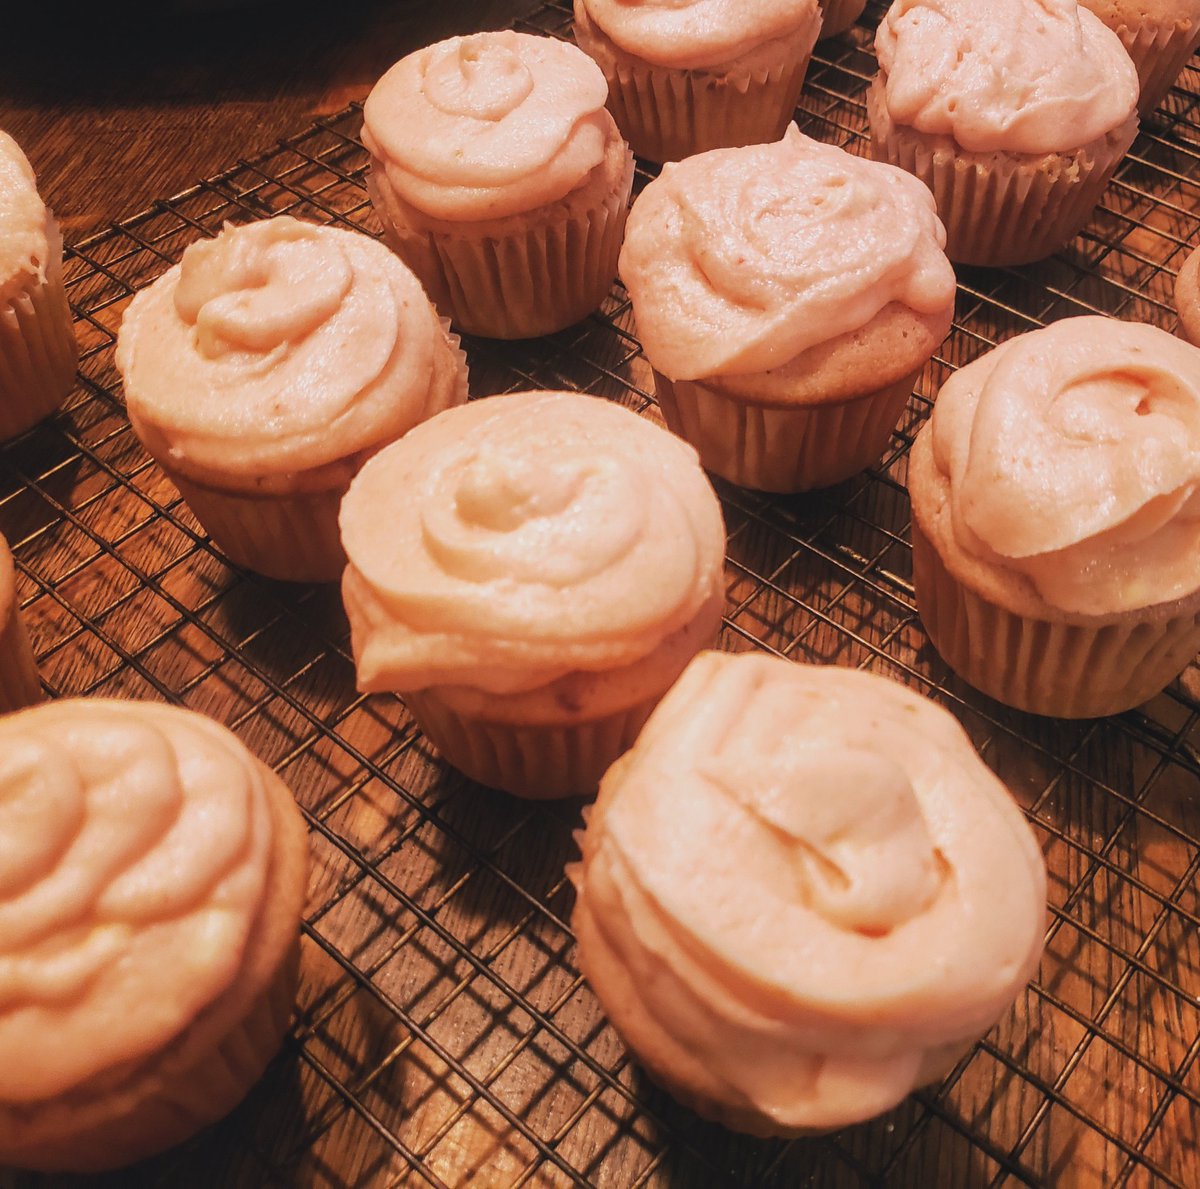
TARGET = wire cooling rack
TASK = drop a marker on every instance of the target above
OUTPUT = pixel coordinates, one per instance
(444, 1035)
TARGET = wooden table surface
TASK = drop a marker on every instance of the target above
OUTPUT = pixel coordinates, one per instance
(138, 102)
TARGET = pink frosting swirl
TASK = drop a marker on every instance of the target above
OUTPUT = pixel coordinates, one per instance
(278, 346)
(737, 260)
(1073, 457)
(875, 902)
(696, 33)
(489, 125)
(1021, 76)
(500, 545)
(134, 850)
(24, 224)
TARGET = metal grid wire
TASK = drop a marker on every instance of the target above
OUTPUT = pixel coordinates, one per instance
(444, 1035)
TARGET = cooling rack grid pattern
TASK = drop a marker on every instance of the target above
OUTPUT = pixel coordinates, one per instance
(444, 1036)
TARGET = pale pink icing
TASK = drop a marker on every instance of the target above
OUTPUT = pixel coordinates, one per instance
(277, 347)
(696, 33)
(489, 125)
(1073, 457)
(815, 887)
(508, 542)
(1020, 76)
(24, 225)
(134, 848)
(736, 260)
(7, 587)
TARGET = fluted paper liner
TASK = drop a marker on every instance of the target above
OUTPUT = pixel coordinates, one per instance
(783, 449)
(1067, 669)
(19, 685)
(38, 352)
(540, 278)
(1160, 53)
(840, 15)
(667, 114)
(998, 209)
(537, 761)
(292, 537)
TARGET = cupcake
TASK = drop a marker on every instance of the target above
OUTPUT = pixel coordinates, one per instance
(263, 369)
(694, 75)
(802, 894)
(154, 874)
(37, 340)
(1056, 517)
(531, 573)
(787, 297)
(500, 180)
(1187, 298)
(839, 15)
(1014, 113)
(1160, 36)
(19, 685)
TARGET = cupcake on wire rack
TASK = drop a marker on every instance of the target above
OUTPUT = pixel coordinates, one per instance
(37, 340)
(693, 75)
(1014, 113)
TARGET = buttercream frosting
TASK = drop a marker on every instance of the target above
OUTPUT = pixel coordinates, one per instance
(1072, 456)
(1020, 76)
(24, 223)
(277, 347)
(696, 33)
(501, 544)
(489, 125)
(134, 850)
(810, 888)
(737, 260)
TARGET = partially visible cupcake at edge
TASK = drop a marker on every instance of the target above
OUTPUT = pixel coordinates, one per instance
(531, 573)
(787, 297)
(500, 179)
(19, 685)
(1160, 35)
(266, 367)
(1014, 112)
(685, 76)
(37, 340)
(1056, 517)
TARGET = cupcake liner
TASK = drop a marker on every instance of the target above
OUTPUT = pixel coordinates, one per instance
(540, 762)
(38, 352)
(1059, 668)
(667, 114)
(783, 449)
(543, 276)
(1000, 210)
(840, 15)
(19, 685)
(1160, 53)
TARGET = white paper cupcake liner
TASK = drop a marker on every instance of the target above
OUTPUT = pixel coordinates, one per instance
(540, 762)
(19, 685)
(997, 210)
(541, 278)
(1060, 669)
(782, 449)
(38, 352)
(1160, 52)
(840, 15)
(667, 115)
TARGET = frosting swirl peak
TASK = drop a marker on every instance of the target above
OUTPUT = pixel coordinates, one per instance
(24, 223)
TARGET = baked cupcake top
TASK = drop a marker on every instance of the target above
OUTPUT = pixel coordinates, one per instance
(1019, 76)
(737, 260)
(24, 224)
(507, 542)
(135, 841)
(873, 895)
(1072, 457)
(279, 346)
(489, 125)
(1133, 14)
(696, 33)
